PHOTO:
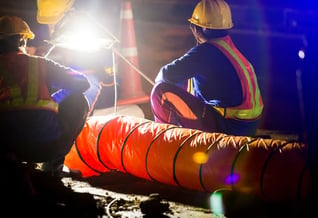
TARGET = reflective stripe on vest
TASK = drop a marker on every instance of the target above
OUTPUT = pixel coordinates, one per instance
(16, 99)
(252, 104)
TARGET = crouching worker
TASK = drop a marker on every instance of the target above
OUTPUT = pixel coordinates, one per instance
(212, 87)
(42, 106)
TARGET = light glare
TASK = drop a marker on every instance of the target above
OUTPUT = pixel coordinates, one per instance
(82, 34)
(216, 204)
(200, 157)
(301, 54)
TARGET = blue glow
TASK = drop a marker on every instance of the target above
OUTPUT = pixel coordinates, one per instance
(232, 179)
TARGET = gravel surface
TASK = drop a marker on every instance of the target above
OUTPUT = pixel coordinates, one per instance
(29, 192)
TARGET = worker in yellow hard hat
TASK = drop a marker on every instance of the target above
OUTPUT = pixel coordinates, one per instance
(212, 87)
(42, 106)
(51, 11)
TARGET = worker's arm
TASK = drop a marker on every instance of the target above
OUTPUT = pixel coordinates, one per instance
(183, 68)
(62, 77)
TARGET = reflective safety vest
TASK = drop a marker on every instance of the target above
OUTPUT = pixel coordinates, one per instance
(36, 94)
(252, 104)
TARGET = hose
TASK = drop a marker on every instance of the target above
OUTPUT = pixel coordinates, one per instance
(273, 169)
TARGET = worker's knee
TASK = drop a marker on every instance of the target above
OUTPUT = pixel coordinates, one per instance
(74, 105)
(73, 112)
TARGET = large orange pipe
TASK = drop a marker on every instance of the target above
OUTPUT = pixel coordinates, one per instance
(274, 169)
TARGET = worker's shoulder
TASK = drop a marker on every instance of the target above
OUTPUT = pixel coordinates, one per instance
(49, 62)
(206, 46)
(206, 49)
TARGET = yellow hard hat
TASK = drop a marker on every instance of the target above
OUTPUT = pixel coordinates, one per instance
(12, 25)
(51, 11)
(212, 14)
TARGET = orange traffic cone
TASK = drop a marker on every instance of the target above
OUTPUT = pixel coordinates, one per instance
(130, 83)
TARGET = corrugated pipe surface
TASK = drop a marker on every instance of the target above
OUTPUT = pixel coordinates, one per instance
(274, 169)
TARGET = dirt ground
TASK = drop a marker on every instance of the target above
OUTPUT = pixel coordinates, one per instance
(29, 192)
(127, 196)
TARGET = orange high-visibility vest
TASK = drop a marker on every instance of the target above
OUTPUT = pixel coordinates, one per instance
(252, 104)
(15, 96)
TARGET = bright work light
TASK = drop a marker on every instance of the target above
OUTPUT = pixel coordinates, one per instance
(79, 31)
